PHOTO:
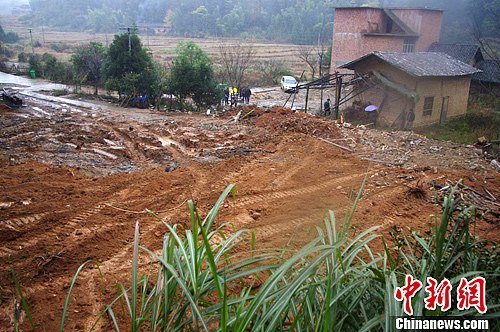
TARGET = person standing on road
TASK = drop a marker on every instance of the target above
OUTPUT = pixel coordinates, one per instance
(226, 96)
(326, 107)
(246, 93)
(234, 97)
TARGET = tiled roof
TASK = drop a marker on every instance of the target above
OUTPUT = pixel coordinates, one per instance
(490, 72)
(423, 64)
(462, 52)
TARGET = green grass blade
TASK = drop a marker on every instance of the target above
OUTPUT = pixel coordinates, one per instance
(215, 209)
(135, 266)
(68, 297)
(24, 303)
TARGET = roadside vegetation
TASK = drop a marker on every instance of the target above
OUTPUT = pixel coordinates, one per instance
(481, 120)
(201, 281)
(129, 70)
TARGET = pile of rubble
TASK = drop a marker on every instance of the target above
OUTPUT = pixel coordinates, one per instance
(483, 200)
(408, 149)
(280, 120)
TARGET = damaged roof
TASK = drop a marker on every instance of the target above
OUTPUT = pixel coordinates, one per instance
(464, 52)
(490, 72)
(408, 31)
(422, 64)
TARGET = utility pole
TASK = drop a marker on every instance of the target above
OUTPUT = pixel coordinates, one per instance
(43, 36)
(338, 93)
(129, 43)
(31, 38)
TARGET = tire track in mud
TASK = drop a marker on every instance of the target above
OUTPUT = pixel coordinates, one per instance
(284, 178)
(254, 199)
(24, 221)
(132, 147)
(66, 229)
(116, 263)
(120, 263)
(271, 230)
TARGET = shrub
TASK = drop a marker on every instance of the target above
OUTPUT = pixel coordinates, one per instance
(192, 76)
(47, 66)
(60, 47)
(22, 57)
(9, 37)
(271, 71)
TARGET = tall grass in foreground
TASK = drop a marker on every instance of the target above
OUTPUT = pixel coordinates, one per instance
(200, 282)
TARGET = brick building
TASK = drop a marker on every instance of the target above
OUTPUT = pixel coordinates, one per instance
(413, 89)
(361, 30)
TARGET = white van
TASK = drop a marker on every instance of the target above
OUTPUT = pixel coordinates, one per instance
(288, 83)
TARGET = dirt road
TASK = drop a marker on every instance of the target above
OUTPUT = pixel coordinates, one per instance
(74, 180)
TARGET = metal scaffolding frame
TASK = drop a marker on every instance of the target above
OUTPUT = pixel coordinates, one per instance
(335, 81)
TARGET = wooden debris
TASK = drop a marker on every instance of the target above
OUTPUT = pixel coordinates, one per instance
(334, 144)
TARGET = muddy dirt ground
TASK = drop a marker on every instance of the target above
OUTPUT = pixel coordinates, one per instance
(74, 180)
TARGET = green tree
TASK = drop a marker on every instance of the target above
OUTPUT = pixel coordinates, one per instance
(88, 61)
(104, 19)
(232, 23)
(35, 62)
(8, 37)
(192, 75)
(47, 66)
(486, 26)
(128, 68)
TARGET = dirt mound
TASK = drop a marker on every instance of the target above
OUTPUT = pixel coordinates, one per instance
(281, 120)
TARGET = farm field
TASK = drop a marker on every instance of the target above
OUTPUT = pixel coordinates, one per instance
(162, 47)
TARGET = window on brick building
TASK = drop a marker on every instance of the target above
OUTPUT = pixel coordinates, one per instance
(408, 45)
(428, 106)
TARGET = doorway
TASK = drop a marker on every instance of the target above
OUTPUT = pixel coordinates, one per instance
(444, 110)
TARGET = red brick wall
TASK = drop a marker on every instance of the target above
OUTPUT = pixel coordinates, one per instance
(349, 43)
(356, 19)
(427, 23)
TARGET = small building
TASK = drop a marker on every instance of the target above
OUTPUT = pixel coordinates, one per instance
(488, 80)
(361, 30)
(468, 53)
(413, 89)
